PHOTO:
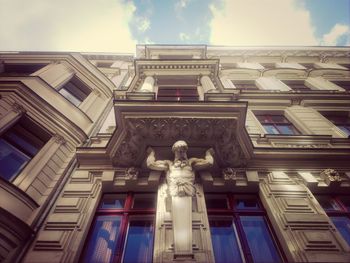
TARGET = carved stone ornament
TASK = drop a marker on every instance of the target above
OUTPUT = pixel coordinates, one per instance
(131, 173)
(180, 178)
(220, 132)
(331, 175)
(229, 174)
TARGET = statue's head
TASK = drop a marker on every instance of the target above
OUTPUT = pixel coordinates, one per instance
(179, 149)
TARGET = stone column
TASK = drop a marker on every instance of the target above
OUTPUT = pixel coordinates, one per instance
(181, 208)
(207, 84)
(11, 117)
(302, 227)
(148, 85)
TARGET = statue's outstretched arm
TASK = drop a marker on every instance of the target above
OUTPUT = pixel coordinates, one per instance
(208, 161)
(156, 165)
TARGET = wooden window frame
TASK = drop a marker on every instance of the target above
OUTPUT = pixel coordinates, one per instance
(277, 125)
(126, 213)
(234, 213)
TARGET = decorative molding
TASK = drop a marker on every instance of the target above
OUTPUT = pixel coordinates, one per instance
(18, 108)
(229, 174)
(220, 132)
(59, 139)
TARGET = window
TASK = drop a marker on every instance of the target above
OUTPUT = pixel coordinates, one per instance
(123, 229)
(277, 124)
(20, 69)
(177, 94)
(244, 85)
(239, 229)
(75, 91)
(339, 119)
(338, 210)
(18, 145)
(344, 84)
(176, 88)
(296, 85)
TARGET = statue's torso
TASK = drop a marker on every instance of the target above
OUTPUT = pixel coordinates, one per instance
(180, 180)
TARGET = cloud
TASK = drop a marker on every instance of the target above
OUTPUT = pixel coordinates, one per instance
(80, 25)
(184, 37)
(181, 4)
(257, 22)
(337, 32)
(142, 23)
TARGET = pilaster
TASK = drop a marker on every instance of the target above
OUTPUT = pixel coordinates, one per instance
(301, 225)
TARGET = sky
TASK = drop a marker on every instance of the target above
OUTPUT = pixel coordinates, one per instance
(119, 25)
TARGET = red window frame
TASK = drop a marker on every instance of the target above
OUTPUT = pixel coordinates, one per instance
(267, 119)
(235, 213)
(166, 93)
(126, 212)
(343, 211)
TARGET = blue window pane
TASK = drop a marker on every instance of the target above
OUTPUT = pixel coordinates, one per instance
(224, 240)
(270, 129)
(259, 239)
(102, 244)
(216, 202)
(328, 203)
(69, 96)
(345, 201)
(247, 203)
(287, 130)
(22, 142)
(144, 201)
(111, 201)
(342, 223)
(139, 242)
(11, 160)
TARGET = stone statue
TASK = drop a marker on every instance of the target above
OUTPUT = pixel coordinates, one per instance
(179, 173)
(180, 178)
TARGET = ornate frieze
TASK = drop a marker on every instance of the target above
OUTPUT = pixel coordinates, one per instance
(218, 132)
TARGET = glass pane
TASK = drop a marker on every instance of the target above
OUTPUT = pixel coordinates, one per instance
(246, 203)
(139, 242)
(70, 97)
(11, 160)
(342, 223)
(345, 201)
(278, 119)
(144, 201)
(259, 239)
(328, 203)
(216, 201)
(287, 129)
(111, 201)
(21, 142)
(270, 129)
(103, 241)
(225, 241)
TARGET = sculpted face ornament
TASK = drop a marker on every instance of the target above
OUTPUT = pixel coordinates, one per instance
(180, 176)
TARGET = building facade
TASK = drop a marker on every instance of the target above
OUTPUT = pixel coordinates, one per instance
(184, 153)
